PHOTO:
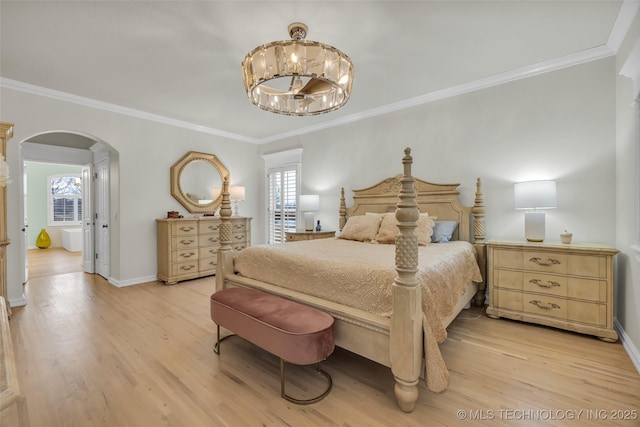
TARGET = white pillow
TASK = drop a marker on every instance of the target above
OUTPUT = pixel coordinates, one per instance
(388, 231)
(362, 228)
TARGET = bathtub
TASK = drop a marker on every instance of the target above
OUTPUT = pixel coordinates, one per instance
(72, 239)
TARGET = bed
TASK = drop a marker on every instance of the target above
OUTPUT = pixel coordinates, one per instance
(400, 321)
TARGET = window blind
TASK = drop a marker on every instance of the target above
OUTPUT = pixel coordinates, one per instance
(282, 208)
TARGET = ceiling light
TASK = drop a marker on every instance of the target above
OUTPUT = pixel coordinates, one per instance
(297, 77)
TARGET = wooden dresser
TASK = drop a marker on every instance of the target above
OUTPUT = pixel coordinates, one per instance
(568, 286)
(296, 236)
(188, 247)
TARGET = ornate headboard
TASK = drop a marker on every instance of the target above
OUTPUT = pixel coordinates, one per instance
(439, 200)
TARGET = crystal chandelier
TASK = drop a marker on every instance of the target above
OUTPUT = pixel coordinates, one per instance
(297, 77)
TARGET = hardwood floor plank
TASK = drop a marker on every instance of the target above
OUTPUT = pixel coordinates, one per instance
(91, 354)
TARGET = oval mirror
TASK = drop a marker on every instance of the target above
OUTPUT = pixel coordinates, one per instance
(196, 182)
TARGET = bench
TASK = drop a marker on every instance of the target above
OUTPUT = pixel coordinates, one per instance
(296, 333)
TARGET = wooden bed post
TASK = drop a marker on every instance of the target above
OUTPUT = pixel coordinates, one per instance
(343, 209)
(479, 236)
(406, 329)
(225, 254)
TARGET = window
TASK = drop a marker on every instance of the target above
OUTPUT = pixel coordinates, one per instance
(282, 196)
(282, 188)
(65, 199)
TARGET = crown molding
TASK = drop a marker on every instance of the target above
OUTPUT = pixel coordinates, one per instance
(623, 22)
(491, 81)
(126, 111)
(621, 26)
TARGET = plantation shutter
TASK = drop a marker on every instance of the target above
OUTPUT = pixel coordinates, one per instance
(282, 206)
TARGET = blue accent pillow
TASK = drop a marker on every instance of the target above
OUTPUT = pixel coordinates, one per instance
(443, 231)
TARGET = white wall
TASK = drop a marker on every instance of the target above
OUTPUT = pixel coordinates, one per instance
(146, 151)
(558, 126)
(628, 272)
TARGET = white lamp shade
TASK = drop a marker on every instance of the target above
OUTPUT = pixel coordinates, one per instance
(309, 202)
(535, 195)
(236, 193)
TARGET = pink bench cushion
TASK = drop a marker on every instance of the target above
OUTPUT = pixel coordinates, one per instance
(294, 332)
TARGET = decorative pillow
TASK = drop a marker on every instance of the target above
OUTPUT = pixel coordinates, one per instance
(443, 230)
(389, 229)
(362, 228)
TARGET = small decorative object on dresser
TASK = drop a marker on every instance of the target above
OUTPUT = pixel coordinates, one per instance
(568, 287)
(566, 237)
(296, 236)
(188, 247)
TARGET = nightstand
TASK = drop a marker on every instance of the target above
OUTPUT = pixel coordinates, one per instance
(568, 286)
(296, 236)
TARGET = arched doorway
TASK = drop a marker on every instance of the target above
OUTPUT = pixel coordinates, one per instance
(95, 159)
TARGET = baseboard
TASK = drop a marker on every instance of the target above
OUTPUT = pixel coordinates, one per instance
(628, 345)
(17, 302)
(131, 282)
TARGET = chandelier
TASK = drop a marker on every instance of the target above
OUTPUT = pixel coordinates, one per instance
(297, 77)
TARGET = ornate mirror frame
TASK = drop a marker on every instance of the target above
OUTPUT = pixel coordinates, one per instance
(180, 195)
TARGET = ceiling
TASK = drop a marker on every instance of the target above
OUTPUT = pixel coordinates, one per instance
(179, 61)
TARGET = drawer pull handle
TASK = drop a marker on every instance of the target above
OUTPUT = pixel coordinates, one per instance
(186, 267)
(187, 242)
(186, 228)
(188, 255)
(539, 304)
(548, 263)
(547, 285)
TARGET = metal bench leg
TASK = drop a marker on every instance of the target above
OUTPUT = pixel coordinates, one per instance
(216, 346)
(307, 401)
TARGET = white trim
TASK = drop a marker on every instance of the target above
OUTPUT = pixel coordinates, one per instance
(131, 282)
(621, 26)
(491, 81)
(282, 158)
(623, 22)
(100, 105)
(627, 343)
(17, 302)
(34, 152)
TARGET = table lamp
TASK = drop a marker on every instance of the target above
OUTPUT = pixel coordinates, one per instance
(308, 204)
(534, 195)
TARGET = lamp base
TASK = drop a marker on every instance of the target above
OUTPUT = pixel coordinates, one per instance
(534, 226)
(308, 221)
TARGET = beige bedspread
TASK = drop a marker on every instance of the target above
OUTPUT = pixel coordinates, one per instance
(361, 275)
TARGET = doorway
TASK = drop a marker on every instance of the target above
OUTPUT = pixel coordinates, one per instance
(87, 155)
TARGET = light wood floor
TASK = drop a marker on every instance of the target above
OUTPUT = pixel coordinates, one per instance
(90, 354)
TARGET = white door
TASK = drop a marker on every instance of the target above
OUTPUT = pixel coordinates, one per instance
(102, 218)
(87, 221)
(25, 224)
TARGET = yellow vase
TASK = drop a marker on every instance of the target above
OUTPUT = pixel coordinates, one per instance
(43, 241)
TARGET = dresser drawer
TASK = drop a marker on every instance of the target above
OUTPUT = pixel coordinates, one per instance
(184, 242)
(239, 246)
(182, 228)
(209, 240)
(184, 255)
(590, 313)
(208, 252)
(208, 227)
(238, 238)
(206, 264)
(587, 312)
(545, 305)
(508, 300)
(238, 226)
(184, 267)
(531, 260)
(588, 266)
